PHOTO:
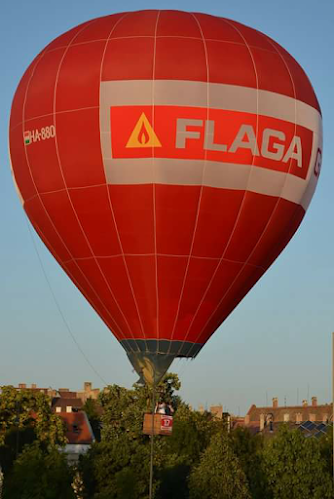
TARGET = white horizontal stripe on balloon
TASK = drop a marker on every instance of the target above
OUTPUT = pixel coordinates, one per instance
(216, 174)
(200, 94)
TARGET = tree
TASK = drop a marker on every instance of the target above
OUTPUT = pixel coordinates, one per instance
(14, 442)
(94, 411)
(295, 468)
(166, 389)
(191, 435)
(248, 449)
(24, 417)
(39, 473)
(326, 449)
(123, 410)
(118, 468)
(218, 474)
(119, 465)
(24, 408)
(192, 432)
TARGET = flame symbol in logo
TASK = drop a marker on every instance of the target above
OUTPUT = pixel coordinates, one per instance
(143, 134)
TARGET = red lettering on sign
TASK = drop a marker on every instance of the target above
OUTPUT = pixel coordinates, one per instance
(166, 422)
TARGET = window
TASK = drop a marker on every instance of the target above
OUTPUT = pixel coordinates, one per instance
(299, 418)
(76, 428)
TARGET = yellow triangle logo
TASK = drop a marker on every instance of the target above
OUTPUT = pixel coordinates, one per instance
(143, 134)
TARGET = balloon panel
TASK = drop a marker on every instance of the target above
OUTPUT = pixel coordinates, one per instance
(165, 159)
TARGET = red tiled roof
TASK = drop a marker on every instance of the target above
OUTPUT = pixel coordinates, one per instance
(78, 429)
(64, 402)
(67, 395)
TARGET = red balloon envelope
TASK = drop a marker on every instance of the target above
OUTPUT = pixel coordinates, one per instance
(165, 159)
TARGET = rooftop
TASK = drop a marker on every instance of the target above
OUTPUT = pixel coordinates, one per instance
(78, 429)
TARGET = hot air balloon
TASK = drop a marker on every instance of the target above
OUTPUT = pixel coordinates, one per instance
(165, 159)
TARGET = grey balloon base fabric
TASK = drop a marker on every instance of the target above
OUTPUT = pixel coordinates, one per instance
(150, 367)
(152, 358)
(176, 348)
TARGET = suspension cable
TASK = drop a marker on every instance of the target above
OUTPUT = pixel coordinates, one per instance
(152, 439)
(67, 326)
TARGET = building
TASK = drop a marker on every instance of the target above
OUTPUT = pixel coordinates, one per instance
(65, 404)
(79, 434)
(64, 400)
(68, 407)
(88, 392)
(217, 411)
(63, 397)
(268, 418)
(50, 392)
(65, 393)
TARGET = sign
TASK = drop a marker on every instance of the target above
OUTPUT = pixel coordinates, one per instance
(198, 133)
(166, 423)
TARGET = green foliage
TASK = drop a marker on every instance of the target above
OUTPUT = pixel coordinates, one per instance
(15, 440)
(166, 388)
(39, 474)
(191, 435)
(126, 484)
(26, 416)
(219, 474)
(118, 468)
(199, 461)
(123, 410)
(326, 450)
(295, 468)
(248, 449)
(93, 410)
(23, 408)
(174, 480)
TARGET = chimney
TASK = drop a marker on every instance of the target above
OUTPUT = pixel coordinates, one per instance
(33, 386)
(305, 403)
(314, 401)
(217, 411)
(22, 386)
(87, 386)
(275, 402)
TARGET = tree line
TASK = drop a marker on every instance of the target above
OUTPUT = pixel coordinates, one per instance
(202, 459)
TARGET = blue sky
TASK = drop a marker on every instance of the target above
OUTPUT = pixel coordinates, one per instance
(278, 340)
